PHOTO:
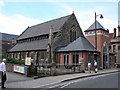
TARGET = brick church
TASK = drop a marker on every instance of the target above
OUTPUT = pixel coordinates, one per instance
(69, 44)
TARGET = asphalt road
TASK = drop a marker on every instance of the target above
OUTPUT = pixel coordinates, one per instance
(100, 81)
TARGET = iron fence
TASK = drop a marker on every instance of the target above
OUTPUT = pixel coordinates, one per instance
(48, 69)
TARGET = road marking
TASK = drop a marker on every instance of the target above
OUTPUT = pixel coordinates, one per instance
(65, 85)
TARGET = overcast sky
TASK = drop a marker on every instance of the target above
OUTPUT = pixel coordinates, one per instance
(16, 16)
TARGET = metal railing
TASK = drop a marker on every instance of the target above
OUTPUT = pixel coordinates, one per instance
(48, 69)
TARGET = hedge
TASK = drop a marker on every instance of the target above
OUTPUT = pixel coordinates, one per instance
(14, 61)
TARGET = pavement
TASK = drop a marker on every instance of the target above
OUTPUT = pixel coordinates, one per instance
(16, 80)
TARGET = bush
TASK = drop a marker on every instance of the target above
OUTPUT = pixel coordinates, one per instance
(10, 60)
(14, 61)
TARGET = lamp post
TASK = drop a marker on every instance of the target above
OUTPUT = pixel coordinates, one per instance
(101, 16)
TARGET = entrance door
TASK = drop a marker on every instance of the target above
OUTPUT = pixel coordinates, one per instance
(105, 58)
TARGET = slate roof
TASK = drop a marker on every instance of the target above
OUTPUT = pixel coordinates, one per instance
(98, 26)
(44, 28)
(8, 37)
(80, 44)
(27, 46)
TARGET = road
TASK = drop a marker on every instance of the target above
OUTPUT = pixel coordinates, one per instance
(100, 81)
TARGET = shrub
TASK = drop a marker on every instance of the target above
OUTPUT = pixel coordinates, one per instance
(10, 60)
(14, 61)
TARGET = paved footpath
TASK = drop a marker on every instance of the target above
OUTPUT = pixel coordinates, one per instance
(20, 81)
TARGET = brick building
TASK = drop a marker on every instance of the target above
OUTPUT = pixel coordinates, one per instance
(6, 42)
(106, 57)
(73, 52)
(116, 46)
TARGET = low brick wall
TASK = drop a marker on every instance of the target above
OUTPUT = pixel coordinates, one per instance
(10, 68)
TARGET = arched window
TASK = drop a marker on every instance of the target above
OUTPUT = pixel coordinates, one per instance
(73, 34)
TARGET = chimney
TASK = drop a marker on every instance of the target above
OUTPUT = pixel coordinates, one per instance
(108, 30)
(114, 32)
(119, 30)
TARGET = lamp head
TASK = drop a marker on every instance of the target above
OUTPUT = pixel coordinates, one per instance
(101, 16)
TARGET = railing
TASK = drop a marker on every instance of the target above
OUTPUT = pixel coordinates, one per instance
(48, 69)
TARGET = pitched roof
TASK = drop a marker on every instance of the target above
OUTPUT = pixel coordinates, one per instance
(44, 28)
(8, 37)
(98, 26)
(80, 44)
(27, 46)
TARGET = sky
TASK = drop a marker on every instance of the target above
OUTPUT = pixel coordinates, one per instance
(17, 15)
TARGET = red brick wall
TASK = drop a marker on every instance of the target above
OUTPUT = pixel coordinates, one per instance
(81, 55)
(6, 42)
(100, 41)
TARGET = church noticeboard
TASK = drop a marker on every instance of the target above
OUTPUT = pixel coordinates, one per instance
(28, 61)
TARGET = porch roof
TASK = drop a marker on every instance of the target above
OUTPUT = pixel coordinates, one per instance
(80, 44)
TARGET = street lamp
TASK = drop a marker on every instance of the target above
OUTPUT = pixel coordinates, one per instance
(101, 16)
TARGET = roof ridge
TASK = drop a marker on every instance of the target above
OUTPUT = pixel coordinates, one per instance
(49, 21)
(39, 27)
(92, 27)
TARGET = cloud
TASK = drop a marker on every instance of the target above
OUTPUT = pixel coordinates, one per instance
(16, 24)
(1, 3)
(86, 17)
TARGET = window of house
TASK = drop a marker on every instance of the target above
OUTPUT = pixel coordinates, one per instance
(97, 31)
(16, 55)
(32, 55)
(93, 32)
(119, 47)
(89, 32)
(42, 55)
(90, 56)
(66, 59)
(75, 58)
(114, 48)
(28, 54)
(23, 55)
